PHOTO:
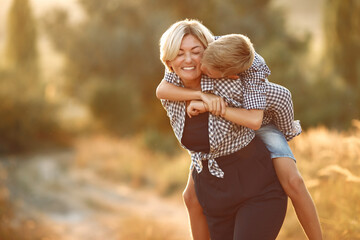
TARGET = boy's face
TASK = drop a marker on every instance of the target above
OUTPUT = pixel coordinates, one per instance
(213, 73)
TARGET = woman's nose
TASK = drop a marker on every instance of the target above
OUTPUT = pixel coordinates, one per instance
(188, 57)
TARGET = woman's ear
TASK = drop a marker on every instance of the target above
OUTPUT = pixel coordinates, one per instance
(168, 64)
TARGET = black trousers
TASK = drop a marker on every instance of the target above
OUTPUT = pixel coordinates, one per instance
(249, 202)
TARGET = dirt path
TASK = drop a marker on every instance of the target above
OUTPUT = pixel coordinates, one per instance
(78, 205)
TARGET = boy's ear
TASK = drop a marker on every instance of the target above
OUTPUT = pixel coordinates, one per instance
(233, 77)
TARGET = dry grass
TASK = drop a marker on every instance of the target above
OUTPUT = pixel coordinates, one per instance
(129, 161)
(146, 229)
(330, 164)
(328, 160)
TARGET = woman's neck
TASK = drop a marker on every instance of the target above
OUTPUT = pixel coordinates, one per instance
(193, 84)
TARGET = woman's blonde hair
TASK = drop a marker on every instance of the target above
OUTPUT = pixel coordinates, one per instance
(170, 41)
(230, 54)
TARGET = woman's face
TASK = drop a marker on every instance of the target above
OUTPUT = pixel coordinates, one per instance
(187, 63)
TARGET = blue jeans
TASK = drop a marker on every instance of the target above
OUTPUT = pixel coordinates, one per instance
(274, 141)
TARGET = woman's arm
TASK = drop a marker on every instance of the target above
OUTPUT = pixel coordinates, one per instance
(169, 91)
(195, 107)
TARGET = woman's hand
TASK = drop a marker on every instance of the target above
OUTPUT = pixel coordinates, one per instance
(195, 107)
(215, 104)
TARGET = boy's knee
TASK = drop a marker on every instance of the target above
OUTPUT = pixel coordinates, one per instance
(295, 185)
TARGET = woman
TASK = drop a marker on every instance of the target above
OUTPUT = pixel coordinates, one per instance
(234, 179)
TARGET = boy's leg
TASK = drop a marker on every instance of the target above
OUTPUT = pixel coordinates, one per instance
(294, 186)
(291, 180)
(198, 223)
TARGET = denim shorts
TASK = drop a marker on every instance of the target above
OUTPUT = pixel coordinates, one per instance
(275, 141)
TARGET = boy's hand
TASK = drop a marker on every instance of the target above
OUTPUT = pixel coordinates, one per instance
(215, 104)
(195, 108)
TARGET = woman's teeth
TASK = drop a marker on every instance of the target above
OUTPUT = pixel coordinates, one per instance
(188, 68)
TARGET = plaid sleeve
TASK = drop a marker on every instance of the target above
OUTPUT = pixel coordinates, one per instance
(255, 80)
(254, 94)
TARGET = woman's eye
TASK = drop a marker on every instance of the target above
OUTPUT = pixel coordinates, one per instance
(180, 54)
(196, 53)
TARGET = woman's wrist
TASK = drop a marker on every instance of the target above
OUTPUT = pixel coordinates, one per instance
(199, 95)
(205, 106)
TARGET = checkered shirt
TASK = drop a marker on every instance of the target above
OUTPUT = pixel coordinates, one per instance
(225, 137)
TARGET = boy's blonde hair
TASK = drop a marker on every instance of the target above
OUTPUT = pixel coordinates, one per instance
(170, 41)
(230, 54)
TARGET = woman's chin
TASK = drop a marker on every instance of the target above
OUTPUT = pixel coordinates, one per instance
(190, 76)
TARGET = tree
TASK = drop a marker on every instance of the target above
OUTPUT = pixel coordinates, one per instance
(342, 39)
(26, 118)
(20, 47)
(342, 58)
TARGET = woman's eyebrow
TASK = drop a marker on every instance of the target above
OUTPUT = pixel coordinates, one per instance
(191, 48)
(195, 47)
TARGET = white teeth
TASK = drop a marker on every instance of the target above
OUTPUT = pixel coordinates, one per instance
(188, 68)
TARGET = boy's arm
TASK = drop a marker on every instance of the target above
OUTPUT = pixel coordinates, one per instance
(249, 118)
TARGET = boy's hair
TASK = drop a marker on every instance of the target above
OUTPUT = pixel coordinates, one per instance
(170, 41)
(230, 54)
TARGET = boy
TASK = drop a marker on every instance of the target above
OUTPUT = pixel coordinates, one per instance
(233, 56)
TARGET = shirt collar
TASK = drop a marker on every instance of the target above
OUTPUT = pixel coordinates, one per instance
(178, 81)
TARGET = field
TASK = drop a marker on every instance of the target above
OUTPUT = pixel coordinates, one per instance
(328, 160)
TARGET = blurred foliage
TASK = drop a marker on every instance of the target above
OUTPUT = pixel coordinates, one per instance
(21, 40)
(116, 45)
(112, 62)
(342, 58)
(117, 41)
(342, 33)
(27, 120)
